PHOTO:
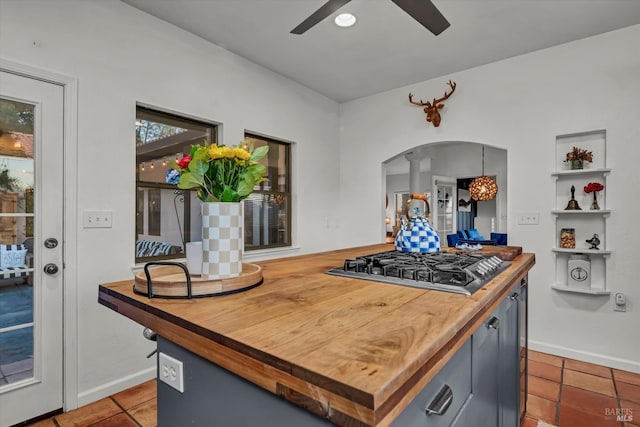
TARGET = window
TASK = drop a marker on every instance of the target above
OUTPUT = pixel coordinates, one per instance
(166, 217)
(267, 211)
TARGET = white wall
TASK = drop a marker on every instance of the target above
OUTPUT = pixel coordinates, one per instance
(521, 104)
(121, 56)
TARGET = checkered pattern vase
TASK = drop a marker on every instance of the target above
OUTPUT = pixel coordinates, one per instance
(419, 237)
(222, 240)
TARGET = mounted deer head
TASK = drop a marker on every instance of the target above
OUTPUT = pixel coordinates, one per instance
(433, 115)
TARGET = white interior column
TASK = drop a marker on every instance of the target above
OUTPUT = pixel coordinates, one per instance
(417, 182)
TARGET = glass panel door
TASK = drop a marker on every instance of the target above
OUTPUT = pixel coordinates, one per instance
(445, 210)
(31, 267)
(16, 241)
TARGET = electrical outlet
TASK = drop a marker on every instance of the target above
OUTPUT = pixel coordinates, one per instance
(170, 371)
(96, 219)
(620, 302)
(529, 218)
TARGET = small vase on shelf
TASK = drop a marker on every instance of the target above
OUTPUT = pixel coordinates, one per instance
(594, 187)
(577, 164)
(594, 205)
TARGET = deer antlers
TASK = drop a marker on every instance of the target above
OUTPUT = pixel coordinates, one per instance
(433, 115)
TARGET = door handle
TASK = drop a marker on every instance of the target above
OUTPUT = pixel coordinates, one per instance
(50, 268)
(515, 296)
(51, 243)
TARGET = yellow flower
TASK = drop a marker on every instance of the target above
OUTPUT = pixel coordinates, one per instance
(241, 154)
(216, 152)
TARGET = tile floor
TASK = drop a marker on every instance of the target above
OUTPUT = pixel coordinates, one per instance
(562, 392)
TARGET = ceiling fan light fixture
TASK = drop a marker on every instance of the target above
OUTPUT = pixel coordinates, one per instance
(345, 20)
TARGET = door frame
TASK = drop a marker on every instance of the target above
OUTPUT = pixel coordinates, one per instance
(69, 226)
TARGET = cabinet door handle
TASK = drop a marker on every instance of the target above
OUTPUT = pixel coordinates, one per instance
(494, 323)
(514, 296)
(441, 402)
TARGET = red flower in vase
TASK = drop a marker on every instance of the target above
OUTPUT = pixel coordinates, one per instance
(593, 187)
(184, 162)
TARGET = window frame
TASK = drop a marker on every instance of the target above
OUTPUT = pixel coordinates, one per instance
(287, 193)
(172, 119)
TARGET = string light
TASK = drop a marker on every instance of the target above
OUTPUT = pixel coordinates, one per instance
(483, 187)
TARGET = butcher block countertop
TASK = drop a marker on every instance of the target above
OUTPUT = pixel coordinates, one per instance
(353, 351)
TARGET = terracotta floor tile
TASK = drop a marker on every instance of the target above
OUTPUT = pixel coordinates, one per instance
(589, 368)
(589, 382)
(629, 392)
(119, 420)
(146, 414)
(549, 359)
(89, 414)
(136, 395)
(543, 370)
(529, 422)
(626, 377)
(587, 401)
(632, 411)
(571, 417)
(635, 407)
(541, 409)
(544, 388)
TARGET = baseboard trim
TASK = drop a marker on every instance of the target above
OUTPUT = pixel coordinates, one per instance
(598, 359)
(114, 387)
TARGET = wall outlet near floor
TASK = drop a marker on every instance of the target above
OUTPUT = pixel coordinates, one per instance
(528, 218)
(97, 219)
(620, 302)
(170, 371)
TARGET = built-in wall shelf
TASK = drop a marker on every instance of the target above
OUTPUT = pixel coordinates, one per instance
(590, 291)
(581, 212)
(585, 251)
(579, 269)
(577, 172)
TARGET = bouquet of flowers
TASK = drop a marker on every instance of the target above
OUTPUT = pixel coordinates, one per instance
(579, 154)
(219, 173)
(593, 187)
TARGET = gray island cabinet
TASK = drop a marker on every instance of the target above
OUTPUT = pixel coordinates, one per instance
(309, 349)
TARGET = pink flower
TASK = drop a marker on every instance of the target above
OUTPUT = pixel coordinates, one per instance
(184, 162)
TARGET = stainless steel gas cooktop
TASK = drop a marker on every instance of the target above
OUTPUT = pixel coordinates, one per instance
(458, 272)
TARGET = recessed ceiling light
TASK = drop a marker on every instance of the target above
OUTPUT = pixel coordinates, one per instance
(345, 20)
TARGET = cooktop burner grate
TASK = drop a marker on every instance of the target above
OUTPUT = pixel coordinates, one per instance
(459, 272)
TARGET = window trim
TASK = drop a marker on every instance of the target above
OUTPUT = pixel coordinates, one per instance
(289, 193)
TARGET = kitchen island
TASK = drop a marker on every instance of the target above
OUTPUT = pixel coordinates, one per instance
(353, 352)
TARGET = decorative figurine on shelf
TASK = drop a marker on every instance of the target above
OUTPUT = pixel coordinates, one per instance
(577, 156)
(573, 203)
(594, 242)
(594, 187)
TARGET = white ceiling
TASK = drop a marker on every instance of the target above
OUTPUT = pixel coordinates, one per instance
(387, 49)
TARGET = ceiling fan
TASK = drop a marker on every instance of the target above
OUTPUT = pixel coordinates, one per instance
(422, 11)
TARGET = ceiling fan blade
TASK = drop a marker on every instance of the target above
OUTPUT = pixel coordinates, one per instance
(325, 10)
(425, 13)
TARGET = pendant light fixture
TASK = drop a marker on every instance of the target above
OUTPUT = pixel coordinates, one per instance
(483, 187)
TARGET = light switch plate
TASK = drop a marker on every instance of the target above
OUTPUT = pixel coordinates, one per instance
(529, 218)
(97, 219)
